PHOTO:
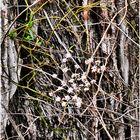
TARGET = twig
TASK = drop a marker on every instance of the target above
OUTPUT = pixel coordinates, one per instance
(126, 4)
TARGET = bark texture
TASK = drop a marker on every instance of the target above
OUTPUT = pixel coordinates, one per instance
(9, 70)
(79, 75)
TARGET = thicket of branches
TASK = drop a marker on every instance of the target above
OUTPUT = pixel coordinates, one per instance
(79, 70)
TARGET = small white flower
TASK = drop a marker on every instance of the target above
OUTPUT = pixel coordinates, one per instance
(103, 68)
(87, 84)
(94, 68)
(83, 77)
(67, 97)
(51, 94)
(70, 90)
(57, 99)
(74, 85)
(64, 104)
(54, 75)
(78, 102)
(86, 89)
(65, 69)
(75, 75)
(60, 88)
(88, 61)
(71, 80)
(74, 97)
(68, 55)
(79, 99)
(63, 83)
(64, 60)
(93, 81)
(77, 66)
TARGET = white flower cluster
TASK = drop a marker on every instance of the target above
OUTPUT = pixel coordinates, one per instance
(88, 61)
(54, 75)
(78, 101)
(67, 56)
(65, 70)
(78, 83)
(95, 68)
(68, 100)
(98, 69)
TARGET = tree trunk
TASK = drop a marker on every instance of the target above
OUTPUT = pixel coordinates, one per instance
(9, 70)
(69, 70)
